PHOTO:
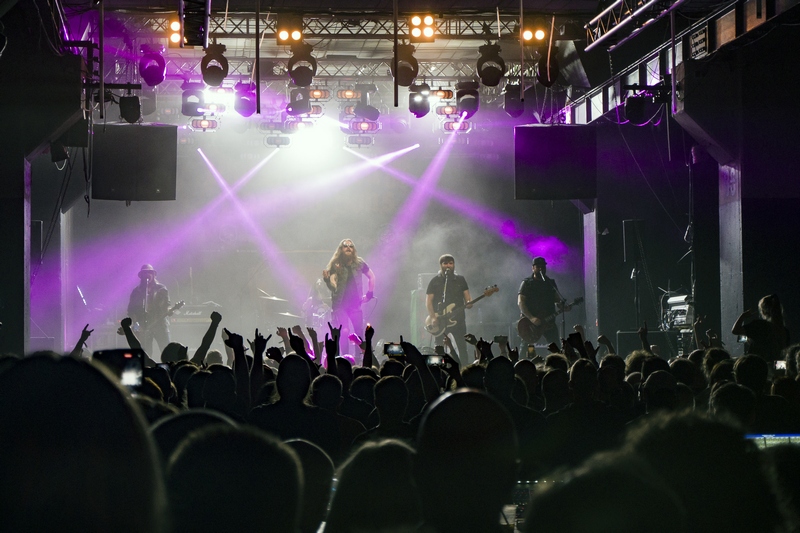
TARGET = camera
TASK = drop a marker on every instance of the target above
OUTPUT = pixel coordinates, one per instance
(125, 363)
(393, 349)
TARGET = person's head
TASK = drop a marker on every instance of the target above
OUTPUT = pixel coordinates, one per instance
(213, 357)
(634, 360)
(752, 371)
(733, 401)
(345, 254)
(376, 490)
(555, 390)
(317, 479)
(583, 380)
(391, 367)
(478, 477)
(391, 398)
(556, 361)
(652, 364)
(174, 352)
(326, 392)
(539, 264)
(473, 375)
(721, 373)
(499, 378)
(688, 373)
(526, 370)
(293, 379)
(711, 357)
(147, 274)
(617, 364)
(447, 262)
(363, 388)
(659, 391)
(261, 480)
(171, 430)
(770, 308)
(74, 452)
(219, 389)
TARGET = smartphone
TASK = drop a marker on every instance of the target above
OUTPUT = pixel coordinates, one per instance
(125, 363)
(438, 349)
(780, 365)
(500, 339)
(435, 360)
(741, 338)
(165, 366)
(393, 349)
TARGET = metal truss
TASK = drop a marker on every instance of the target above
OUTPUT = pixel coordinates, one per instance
(326, 26)
(620, 14)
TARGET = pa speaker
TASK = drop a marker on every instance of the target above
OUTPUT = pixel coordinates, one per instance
(134, 162)
(555, 162)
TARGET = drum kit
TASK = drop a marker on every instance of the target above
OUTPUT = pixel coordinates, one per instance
(316, 310)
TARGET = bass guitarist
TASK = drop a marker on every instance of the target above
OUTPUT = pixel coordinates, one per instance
(445, 289)
(538, 296)
(149, 307)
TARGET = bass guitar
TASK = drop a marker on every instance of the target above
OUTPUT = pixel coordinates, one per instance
(530, 333)
(444, 318)
(138, 328)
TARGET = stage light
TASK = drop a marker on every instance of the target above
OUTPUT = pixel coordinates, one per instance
(348, 94)
(349, 111)
(299, 103)
(422, 28)
(513, 105)
(302, 66)
(491, 68)
(316, 111)
(152, 65)
(458, 126)
(270, 125)
(360, 140)
(148, 101)
(214, 66)
(277, 141)
(446, 110)
(363, 108)
(547, 74)
(364, 126)
(289, 29)
(319, 94)
(204, 124)
(129, 109)
(293, 126)
(468, 98)
(418, 103)
(245, 100)
(175, 34)
(635, 106)
(407, 65)
(442, 94)
(193, 99)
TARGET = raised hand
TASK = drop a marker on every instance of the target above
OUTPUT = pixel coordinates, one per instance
(297, 345)
(126, 322)
(260, 343)
(283, 333)
(472, 339)
(553, 348)
(336, 333)
(485, 350)
(413, 355)
(369, 333)
(234, 340)
(86, 333)
(216, 317)
(275, 354)
(331, 348)
(450, 365)
(513, 353)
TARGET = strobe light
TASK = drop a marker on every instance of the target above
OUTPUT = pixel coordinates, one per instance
(407, 65)
(418, 103)
(214, 66)
(491, 68)
(152, 65)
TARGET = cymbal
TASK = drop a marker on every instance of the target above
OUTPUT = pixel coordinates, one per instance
(273, 298)
(287, 313)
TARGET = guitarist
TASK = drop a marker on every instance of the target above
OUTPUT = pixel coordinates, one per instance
(537, 296)
(149, 305)
(445, 289)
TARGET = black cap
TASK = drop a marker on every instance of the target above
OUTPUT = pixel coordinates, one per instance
(539, 261)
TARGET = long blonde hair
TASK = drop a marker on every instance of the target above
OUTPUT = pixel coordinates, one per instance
(337, 262)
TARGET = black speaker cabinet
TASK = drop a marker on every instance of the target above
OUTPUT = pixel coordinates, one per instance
(667, 341)
(134, 162)
(555, 162)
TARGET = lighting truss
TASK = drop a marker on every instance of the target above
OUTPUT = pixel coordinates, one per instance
(619, 15)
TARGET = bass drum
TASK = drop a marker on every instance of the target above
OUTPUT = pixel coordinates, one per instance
(317, 315)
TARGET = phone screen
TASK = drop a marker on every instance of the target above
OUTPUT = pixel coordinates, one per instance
(393, 349)
(435, 360)
(126, 364)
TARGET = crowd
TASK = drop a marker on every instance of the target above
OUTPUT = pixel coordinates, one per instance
(296, 437)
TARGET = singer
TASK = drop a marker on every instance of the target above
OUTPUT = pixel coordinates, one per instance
(538, 296)
(149, 308)
(445, 289)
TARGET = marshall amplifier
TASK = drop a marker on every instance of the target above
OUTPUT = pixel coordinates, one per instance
(188, 324)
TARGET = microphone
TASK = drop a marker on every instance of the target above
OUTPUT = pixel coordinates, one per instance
(541, 275)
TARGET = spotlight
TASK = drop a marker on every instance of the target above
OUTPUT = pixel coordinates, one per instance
(446, 110)
(513, 105)
(278, 141)
(289, 29)
(152, 65)
(245, 100)
(129, 109)
(360, 140)
(442, 94)
(407, 65)
(467, 98)
(491, 67)
(299, 103)
(302, 66)
(348, 94)
(319, 94)
(547, 73)
(364, 126)
(422, 29)
(203, 124)
(193, 99)
(418, 103)
(214, 66)
(463, 126)
(363, 108)
(293, 126)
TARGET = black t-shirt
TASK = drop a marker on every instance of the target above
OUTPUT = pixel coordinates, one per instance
(766, 339)
(456, 285)
(540, 296)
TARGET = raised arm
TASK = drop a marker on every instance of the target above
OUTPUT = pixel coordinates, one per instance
(240, 371)
(413, 356)
(133, 341)
(200, 355)
(643, 337)
(738, 326)
(369, 333)
(78, 350)
(257, 372)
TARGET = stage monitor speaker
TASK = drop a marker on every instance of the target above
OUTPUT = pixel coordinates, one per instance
(667, 342)
(555, 162)
(134, 162)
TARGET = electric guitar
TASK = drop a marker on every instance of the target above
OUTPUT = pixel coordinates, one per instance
(138, 328)
(444, 318)
(530, 333)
